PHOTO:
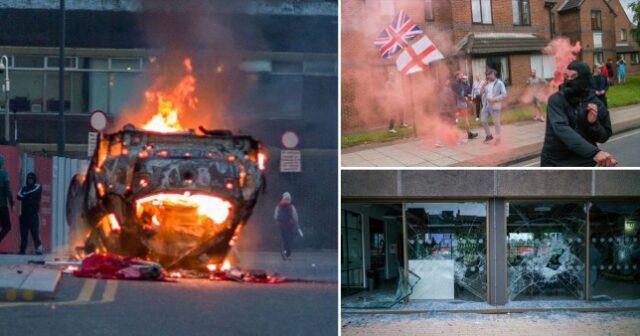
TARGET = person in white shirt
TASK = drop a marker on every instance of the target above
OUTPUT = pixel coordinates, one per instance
(493, 93)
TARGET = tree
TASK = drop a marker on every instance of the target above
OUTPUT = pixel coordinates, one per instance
(635, 8)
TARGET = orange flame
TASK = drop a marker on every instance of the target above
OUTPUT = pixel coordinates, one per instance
(212, 207)
(226, 266)
(168, 104)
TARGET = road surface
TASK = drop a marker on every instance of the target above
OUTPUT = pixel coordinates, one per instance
(625, 147)
(187, 307)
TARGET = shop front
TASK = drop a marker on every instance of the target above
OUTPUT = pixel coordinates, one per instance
(489, 249)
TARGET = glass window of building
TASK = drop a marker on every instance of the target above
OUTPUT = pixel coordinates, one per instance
(546, 250)
(127, 64)
(623, 34)
(26, 93)
(614, 252)
(27, 61)
(481, 11)
(447, 250)
(521, 12)
(596, 20)
(372, 259)
(124, 91)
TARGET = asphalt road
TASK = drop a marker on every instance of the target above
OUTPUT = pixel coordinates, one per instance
(624, 147)
(187, 307)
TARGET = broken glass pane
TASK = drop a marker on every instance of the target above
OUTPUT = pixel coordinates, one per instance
(546, 250)
(614, 253)
(447, 250)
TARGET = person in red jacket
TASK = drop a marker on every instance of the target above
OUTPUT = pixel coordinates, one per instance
(287, 218)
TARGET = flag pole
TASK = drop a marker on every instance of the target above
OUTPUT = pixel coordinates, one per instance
(413, 107)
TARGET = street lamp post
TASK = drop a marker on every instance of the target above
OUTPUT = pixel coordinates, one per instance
(61, 125)
(4, 66)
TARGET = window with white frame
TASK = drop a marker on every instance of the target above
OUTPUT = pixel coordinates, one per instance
(623, 34)
(428, 10)
(481, 11)
(479, 66)
(597, 39)
(544, 65)
(635, 58)
(598, 57)
(521, 12)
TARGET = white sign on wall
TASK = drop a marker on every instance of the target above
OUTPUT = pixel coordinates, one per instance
(290, 161)
(91, 143)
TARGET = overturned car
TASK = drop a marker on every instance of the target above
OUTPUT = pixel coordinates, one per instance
(180, 198)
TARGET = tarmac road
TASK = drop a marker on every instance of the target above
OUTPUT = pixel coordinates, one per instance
(625, 147)
(186, 307)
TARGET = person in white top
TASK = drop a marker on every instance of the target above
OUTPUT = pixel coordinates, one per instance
(493, 93)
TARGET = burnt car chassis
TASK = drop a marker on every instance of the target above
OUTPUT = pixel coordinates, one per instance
(180, 199)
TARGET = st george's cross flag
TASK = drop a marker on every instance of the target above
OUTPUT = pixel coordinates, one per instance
(397, 35)
(415, 58)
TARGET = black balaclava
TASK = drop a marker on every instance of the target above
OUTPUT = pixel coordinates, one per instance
(579, 87)
(35, 180)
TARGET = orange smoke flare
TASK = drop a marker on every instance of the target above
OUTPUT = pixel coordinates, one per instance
(169, 104)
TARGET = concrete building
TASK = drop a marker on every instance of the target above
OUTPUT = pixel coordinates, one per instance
(492, 236)
(507, 35)
(263, 68)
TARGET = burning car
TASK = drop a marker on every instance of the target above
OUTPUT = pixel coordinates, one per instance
(178, 198)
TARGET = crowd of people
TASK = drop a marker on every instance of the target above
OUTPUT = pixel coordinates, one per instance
(577, 113)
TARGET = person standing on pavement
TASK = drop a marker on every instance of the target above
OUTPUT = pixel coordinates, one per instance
(476, 95)
(536, 84)
(493, 93)
(286, 216)
(30, 195)
(600, 85)
(461, 90)
(576, 121)
(5, 197)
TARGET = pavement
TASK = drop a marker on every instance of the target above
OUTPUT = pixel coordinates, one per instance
(520, 141)
(24, 281)
(307, 265)
(522, 324)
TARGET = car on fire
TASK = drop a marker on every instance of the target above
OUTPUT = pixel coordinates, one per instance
(180, 198)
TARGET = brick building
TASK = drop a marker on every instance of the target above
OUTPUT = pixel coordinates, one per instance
(604, 31)
(507, 35)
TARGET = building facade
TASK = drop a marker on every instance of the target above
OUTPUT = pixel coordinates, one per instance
(489, 236)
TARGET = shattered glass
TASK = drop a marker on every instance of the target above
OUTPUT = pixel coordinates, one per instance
(614, 253)
(447, 250)
(546, 250)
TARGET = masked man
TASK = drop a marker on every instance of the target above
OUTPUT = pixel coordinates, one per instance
(30, 195)
(576, 121)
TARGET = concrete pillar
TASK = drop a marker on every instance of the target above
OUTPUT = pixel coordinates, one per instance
(497, 250)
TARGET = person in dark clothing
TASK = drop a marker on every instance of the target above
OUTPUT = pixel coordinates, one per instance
(576, 121)
(30, 195)
(5, 197)
(609, 73)
(287, 218)
(462, 91)
(600, 85)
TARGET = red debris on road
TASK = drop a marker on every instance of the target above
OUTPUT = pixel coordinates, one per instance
(109, 266)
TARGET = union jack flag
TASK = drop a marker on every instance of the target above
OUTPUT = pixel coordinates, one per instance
(397, 35)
